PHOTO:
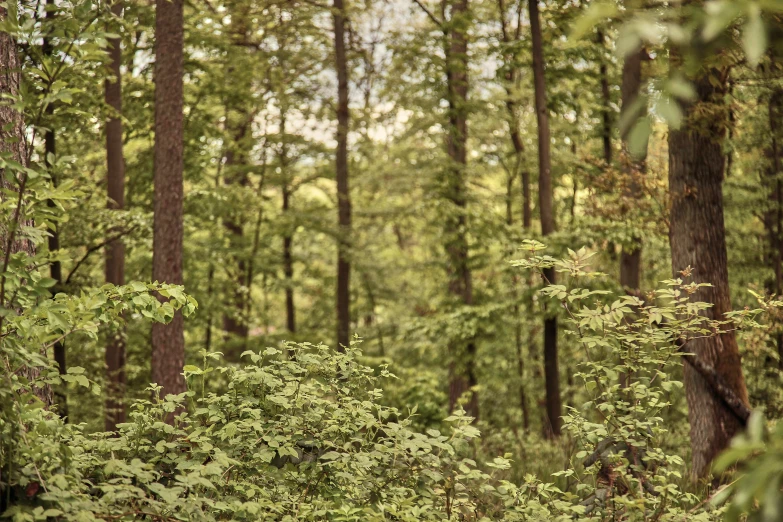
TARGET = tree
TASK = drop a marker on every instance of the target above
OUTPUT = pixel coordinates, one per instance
(633, 166)
(510, 36)
(698, 244)
(239, 121)
(462, 373)
(341, 172)
(115, 250)
(606, 116)
(288, 236)
(546, 207)
(55, 267)
(13, 145)
(168, 342)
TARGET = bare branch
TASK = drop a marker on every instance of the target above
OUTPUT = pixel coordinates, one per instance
(429, 13)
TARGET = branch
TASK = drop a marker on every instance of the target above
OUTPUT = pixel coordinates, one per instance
(94, 248)
(429, 13)
(714, 380)
(718, 385)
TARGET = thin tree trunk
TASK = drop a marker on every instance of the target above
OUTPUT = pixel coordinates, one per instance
(168, 341)
(513, 74)
(55, 267)
(13, 142)
(606, 117)
(288, 239)
(343, 192)
(698, 239)
(512, 107)
(234, 321)
(115, 251)
(235, 324)
(546, 204)
(518, 344)
(633, 167)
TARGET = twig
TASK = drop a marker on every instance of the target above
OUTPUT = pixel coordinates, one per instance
(429, 13)
(93, 249)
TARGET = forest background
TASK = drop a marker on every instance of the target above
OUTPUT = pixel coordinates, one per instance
(362, 174)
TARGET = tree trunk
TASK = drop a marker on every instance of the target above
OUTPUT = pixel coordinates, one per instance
(462, 376)
(606, 117)
(55, 267)
(343, 193)
(234, 321)
(633, 167)
(698, 239)
(546, 204)
(115, 251)
(288, 239)
(13, 142)
(773, 217)
(168, 342)
(235, 324)
(512, 77)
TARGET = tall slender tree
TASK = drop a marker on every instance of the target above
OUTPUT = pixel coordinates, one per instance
(546, 208)
(341, 172)
(633, 166)
(606, 114)
(168, 341)
(462, 373)
(239, 120)
(512, 71)
(288, 236)
(698, 240)
(115, 250)
(55, 267)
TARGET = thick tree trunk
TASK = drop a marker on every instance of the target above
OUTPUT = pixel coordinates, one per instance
(546, 204)
(462, 375)
(13, 142)
(633, 167)
(168, 342)
(115, 251)
(343, 192)
(698, 239)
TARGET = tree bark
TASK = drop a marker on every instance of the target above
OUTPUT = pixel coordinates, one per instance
(168, 342)
(512, 76)
(288, 239)
(239, 126)
(234, 321)
(13, 142)
(606, 117)
(773, 217)
(698, 239)
(343, 192)
(55, 267)
(633, 167)
(115, 251)
(462, 375)
(546, 204)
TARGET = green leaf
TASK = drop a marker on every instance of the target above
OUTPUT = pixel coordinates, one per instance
(595, 13)
(638, 137)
